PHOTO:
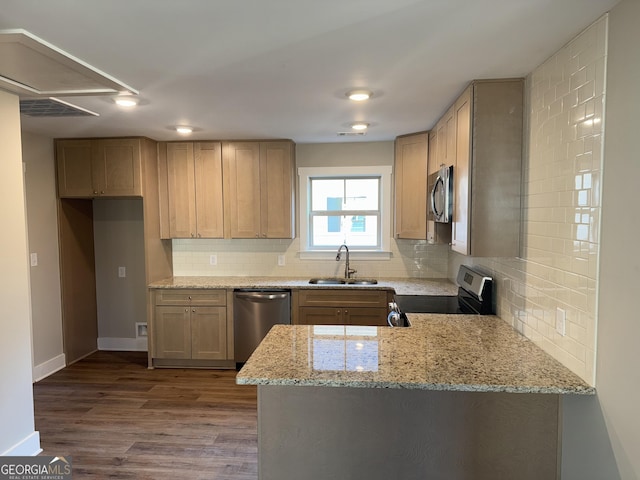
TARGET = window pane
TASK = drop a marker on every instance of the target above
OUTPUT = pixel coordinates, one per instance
(354, 230)
(344, 194)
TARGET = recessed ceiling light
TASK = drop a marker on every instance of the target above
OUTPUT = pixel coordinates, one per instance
(184, 130)
(126, 102)
(359, 95)
(359, 126)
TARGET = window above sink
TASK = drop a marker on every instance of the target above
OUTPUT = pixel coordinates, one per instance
(345, 205)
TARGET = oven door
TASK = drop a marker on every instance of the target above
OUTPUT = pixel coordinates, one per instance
(440, 186)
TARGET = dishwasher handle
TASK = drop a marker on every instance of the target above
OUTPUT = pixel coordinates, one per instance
(257, 296)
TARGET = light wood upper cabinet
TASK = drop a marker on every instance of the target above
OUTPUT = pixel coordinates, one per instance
(411, 158)
(487, 170)
(259, 189)
(99, 167)
(190, 186)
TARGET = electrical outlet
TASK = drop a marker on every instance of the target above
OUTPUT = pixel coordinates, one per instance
(281, 260)
(34, 259)
(213, 259)
(122, 272)
(561, 321)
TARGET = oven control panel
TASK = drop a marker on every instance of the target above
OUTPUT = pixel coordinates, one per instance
(473, 281)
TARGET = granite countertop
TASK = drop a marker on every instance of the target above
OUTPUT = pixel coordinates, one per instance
(438, 352)
(402, 286)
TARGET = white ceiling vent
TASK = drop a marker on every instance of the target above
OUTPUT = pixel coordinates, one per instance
(352, 134)
(31, 67)
(53, 107)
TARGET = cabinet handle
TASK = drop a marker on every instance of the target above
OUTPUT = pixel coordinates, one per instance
(189, 297)
(194, 310)
(199, 235)
(192, 235)
(95, 192)
(264, 235)
(186, 310)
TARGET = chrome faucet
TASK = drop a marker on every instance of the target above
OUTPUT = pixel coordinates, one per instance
(347, 271)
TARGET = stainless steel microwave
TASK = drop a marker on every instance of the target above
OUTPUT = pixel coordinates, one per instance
(440, 186)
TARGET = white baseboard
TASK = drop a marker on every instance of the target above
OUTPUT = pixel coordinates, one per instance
(27, 447)
(123, 344)
(47, 368)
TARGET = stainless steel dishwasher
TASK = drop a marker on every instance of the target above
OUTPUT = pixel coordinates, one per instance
(254, 313)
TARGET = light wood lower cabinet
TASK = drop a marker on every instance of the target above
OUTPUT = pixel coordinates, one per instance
(343, 307)
(190, 328)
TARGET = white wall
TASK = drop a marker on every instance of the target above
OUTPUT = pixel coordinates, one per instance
(42, 223)
(17, 434)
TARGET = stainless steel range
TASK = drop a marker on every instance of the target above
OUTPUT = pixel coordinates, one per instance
(475, 291)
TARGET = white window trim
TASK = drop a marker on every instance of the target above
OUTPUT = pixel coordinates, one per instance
(384, 171)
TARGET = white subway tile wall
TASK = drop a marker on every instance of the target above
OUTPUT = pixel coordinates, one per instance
(562, 184)
(409, 258)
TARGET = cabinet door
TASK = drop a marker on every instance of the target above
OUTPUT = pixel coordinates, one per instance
(181, 190)
(411, 186)
(276, 190)
(320, 316)
(75, 168)
(461, 171)
(366, 316)
(209, 333)
(117, 167)
(172, 332)
(208, 189)
(241, 164)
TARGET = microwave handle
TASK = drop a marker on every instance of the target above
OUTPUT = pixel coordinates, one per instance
(437, 214)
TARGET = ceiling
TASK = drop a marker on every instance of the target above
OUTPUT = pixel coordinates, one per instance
(260, 69)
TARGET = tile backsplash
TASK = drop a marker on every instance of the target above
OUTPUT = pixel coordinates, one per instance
(409, 258)
(558, 267)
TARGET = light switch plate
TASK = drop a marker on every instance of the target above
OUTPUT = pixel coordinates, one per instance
(281, 260)
(213, 259)
(122, 272)
(34, 259)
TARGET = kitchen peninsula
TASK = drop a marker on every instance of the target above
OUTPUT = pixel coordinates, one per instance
(462, 397)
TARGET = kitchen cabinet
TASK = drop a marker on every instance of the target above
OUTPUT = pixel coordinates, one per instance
(411, 158)
(190, 187)
(488, 168)
(109, 167)
(190, 328)
(445, 133)
(342, 307)
(259, 189)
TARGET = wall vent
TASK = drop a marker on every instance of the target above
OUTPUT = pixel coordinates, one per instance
(53, 107)
(351, 134)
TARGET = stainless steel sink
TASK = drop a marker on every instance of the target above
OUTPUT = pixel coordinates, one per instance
(361, 281)
(343, 281)
(327, 281)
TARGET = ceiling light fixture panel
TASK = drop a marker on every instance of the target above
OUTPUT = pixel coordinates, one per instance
(359, 95)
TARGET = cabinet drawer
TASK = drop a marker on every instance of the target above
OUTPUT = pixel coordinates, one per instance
(342, 298)
(179, 296)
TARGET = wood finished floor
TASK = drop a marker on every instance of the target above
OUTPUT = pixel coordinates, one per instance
(119, 420)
